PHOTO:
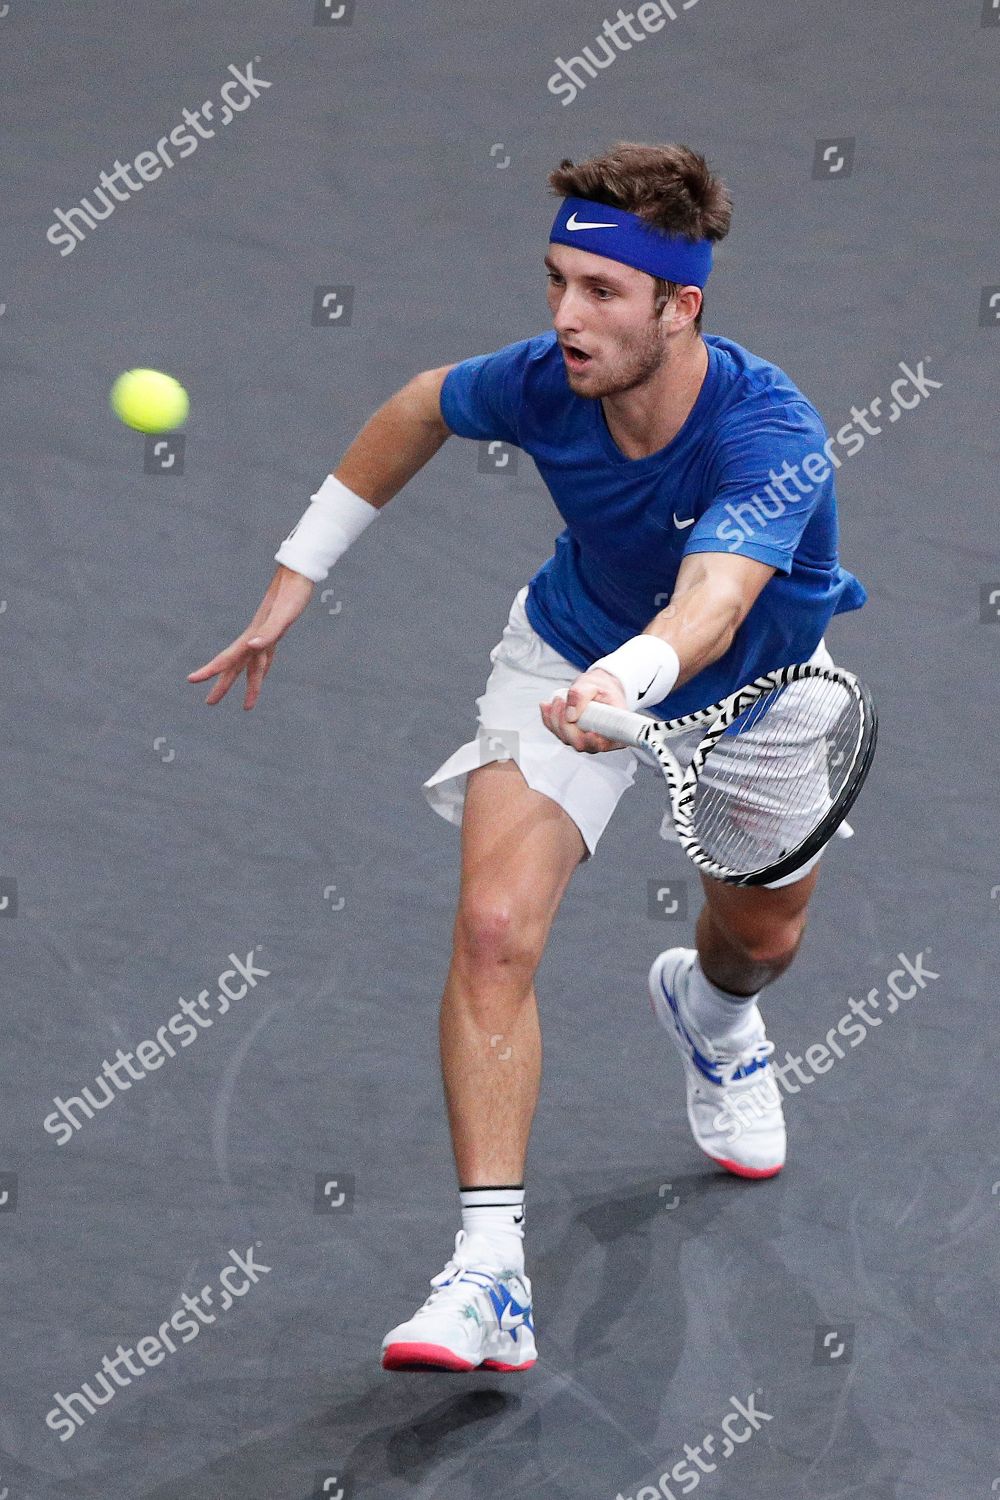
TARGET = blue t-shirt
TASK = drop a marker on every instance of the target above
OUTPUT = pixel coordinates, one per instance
(718, 486)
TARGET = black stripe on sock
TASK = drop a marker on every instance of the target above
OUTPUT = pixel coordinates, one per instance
(494, 1187)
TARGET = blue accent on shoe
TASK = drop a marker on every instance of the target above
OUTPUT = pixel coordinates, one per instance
(704, 1064)
(503, 1303)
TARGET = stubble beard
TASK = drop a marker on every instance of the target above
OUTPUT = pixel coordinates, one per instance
(628, 368)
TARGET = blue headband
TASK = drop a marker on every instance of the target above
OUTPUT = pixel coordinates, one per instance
(625, 237)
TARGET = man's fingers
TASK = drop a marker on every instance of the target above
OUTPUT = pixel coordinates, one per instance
(208, 670)
(578, 699)
(556, 720)
(221, 688)
(256, 672)
(568, 731)
(232, 656)
(239, 654)
(287, 595)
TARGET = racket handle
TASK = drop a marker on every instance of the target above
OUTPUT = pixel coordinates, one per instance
(615, 723)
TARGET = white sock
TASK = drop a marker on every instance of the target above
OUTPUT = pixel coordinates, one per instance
(717, 1014)
(496, 1216)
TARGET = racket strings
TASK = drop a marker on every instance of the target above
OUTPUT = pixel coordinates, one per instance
(772, 775)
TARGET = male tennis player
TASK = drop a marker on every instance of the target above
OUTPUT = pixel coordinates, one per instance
(691, 474)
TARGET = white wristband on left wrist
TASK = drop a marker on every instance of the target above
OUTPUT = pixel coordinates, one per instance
(335, 518)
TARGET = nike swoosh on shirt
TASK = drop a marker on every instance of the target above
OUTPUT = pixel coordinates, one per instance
(681, 524)
(574, 223)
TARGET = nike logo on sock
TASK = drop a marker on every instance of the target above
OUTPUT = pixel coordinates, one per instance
(519, 1219)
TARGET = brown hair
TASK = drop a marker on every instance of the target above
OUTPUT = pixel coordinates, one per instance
(669, 186)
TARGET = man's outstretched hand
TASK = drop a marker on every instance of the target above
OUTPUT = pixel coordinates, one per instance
(287, 596)
(560, 713)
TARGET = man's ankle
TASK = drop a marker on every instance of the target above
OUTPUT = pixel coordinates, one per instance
(494, 1216)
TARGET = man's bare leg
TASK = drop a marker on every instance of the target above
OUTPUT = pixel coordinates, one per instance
(748, 935)
(519, 851)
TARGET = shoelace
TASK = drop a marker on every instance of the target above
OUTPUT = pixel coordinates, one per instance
(459, 1291)
(756, 1052)
(456, 1278)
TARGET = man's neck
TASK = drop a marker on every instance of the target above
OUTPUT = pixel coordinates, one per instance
(644, 420)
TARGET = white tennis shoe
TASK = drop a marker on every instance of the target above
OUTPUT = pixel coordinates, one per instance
(733, 1102)
(477, 1317)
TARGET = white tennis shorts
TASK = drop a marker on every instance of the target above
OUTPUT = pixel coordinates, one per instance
(526, 672)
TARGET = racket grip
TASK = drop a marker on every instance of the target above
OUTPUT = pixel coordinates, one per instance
(614, 723)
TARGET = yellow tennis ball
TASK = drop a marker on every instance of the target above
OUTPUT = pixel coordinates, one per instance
(149, 401)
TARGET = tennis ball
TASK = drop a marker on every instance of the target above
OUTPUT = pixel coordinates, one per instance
(149, 401)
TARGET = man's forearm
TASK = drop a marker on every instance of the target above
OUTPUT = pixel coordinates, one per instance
(700, 625)
(387, 452)
(394, 444)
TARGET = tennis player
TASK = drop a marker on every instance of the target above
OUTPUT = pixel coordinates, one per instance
(699, 551)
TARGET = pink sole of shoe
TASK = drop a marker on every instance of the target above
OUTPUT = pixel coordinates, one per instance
(740, 1171)
(436, 1357)
(423, 1357)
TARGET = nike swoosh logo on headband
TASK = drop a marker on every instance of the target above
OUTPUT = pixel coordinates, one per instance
(573, 223)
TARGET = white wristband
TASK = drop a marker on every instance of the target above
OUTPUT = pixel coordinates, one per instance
(647, 668)
(325, 530)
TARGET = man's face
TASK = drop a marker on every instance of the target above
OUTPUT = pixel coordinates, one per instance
(605, 309)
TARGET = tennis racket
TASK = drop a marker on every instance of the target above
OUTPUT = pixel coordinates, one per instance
(775, 772)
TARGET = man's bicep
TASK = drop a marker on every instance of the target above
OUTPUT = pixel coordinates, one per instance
(427, 385)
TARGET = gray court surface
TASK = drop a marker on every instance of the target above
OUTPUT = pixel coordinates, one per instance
(377, 205)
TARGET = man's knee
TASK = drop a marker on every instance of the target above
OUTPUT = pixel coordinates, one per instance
(492, 932)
